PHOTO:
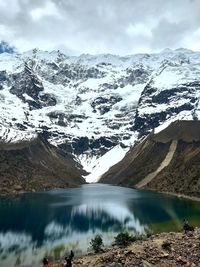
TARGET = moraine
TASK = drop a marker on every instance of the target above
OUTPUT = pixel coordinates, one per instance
(53, 222)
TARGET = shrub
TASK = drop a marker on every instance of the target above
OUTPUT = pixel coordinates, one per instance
(96, 243)
(124, 239)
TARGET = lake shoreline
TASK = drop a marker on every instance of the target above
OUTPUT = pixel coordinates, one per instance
(181, 196)
(20, 192)
(159, 250)
(178, 195)
(16, 193)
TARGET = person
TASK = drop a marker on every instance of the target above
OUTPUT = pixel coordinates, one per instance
(46, 262)
(68, 260)
(187, 227)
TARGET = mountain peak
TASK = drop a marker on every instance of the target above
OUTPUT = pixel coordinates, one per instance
(166, 51)
(183, 50)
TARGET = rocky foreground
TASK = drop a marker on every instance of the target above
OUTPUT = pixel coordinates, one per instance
(160, 250)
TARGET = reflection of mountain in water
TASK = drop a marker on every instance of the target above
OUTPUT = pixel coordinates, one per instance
(40, 221)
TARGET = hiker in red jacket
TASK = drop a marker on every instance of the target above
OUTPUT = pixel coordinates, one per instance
(46, 262)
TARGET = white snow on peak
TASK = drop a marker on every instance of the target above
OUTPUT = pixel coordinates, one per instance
(96, 96)
(97, 167)
(163, 126)
(11, 63)
(10, 135)
(43, 55)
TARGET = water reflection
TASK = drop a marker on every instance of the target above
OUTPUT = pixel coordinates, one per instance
(34, 224)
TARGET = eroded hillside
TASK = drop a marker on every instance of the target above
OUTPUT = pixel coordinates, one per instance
(168, 161)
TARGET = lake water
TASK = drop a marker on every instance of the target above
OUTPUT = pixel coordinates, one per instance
(51, 223)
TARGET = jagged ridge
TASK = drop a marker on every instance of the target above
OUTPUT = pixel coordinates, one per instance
(88, 105)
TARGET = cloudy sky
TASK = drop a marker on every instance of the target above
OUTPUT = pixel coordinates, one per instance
(101, 26)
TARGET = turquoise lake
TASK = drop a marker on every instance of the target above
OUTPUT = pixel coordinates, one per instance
(51, 223)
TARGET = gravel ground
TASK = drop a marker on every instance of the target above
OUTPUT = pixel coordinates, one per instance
(160, 250)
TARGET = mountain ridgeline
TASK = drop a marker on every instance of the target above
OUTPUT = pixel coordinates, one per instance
(94, 107)
(35, 165)
(167, 161)
(88, 104)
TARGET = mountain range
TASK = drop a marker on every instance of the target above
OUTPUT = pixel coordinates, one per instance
(95, 107)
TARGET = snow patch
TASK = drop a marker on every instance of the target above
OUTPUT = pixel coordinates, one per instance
(99, 166)
(10, 135)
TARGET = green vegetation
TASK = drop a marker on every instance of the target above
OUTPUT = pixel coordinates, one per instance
(124, 238)
(97, 243)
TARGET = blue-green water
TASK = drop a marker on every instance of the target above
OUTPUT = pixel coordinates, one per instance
(32, 225)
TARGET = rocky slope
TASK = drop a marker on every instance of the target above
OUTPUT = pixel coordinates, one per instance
(34, 164)
(166, 161)
(161, 250)
(89, 105)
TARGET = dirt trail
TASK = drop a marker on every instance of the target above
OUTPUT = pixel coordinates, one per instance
(163, 164)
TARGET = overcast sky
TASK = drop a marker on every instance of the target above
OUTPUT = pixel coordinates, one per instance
(101, 26)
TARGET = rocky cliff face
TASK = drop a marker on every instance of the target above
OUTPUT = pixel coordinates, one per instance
(33, 164)
(89, 105)
(167, 161)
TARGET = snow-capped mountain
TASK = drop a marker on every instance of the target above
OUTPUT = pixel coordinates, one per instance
(93, 105)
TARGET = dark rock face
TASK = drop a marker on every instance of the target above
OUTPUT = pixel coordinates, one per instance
(145, 124)
(48, 100)
(79, 145)
(63, 119)
(151, 97)
(134, 76)
(94, 146)
(104, 104)
(3, 76)
(63, 73)
(27, 82)
(21, 127)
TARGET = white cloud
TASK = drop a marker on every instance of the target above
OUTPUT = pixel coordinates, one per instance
(192, 41)
(92, 26)
(48, 10)
(139, 29)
